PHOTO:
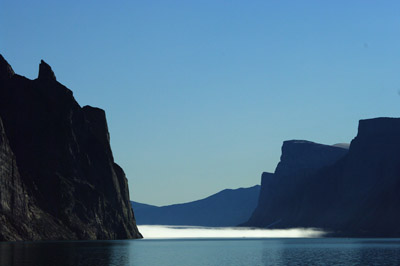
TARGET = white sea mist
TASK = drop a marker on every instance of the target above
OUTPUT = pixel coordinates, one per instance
(179, 232)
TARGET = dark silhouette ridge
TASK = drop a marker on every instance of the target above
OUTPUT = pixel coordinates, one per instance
(228, 207)
(356, 196)
(279, 195)
(301, 157)
(58, 176)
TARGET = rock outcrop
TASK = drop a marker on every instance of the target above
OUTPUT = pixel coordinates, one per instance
(45, 71)
(58, 178)
(356, 196)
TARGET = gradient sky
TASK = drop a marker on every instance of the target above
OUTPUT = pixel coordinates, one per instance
(200, 95)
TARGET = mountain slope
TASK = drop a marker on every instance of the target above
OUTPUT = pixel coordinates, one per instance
(228, 207)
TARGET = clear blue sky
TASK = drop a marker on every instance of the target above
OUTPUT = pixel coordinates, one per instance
(200, 95)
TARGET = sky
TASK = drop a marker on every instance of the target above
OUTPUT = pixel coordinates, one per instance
(200, 95)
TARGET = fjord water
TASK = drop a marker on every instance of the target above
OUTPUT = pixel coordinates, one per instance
(267, 251)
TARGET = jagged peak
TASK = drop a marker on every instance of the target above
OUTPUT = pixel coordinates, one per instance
(45, 71)
(6, 70)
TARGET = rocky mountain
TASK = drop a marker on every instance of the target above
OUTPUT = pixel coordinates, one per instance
(58, 178)
(358, 195)
(280, 195)
(228, 207)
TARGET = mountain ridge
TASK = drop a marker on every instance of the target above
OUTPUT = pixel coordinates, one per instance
(228, 207)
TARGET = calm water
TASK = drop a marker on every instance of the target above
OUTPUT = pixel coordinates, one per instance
(317, 251)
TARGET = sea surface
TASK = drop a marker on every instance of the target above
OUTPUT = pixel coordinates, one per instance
(177, 252)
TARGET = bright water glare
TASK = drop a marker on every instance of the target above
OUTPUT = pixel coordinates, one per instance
(180, 232)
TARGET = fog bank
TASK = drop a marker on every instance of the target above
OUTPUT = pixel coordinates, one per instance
(168, 232)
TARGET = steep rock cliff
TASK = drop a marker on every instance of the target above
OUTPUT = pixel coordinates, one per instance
(359, 195)
(68, 184)
(280, 197)
(13, 198)
(356, 196)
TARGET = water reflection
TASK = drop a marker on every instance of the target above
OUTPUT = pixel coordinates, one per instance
(65, 253)
(176, 252)
(323, 251)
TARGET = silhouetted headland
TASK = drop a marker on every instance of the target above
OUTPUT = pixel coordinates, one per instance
(354, 193)
(58, 178)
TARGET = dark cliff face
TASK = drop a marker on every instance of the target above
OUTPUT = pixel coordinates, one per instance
(13, 198)
(359, 195)
(279, 196)
(64, 161)
(303, 157)
(367, 182)
(356, 196)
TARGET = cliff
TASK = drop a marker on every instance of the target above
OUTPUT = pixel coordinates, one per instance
(361, 194)
(228, 207)
(355, 196)
(280, 196)
(58, 176)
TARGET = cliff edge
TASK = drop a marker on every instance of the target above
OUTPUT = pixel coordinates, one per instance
(58, 178)
(356, 195)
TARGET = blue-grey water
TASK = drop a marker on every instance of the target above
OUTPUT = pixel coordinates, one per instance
(177, 252)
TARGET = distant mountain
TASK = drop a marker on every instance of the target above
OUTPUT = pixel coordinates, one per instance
(358, 195)
(58, 178)
(139, 206)
(228, 207)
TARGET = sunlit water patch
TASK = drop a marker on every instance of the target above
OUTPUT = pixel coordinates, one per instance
(170, 232)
